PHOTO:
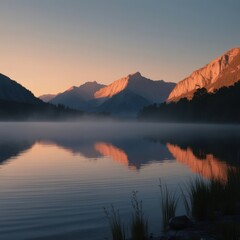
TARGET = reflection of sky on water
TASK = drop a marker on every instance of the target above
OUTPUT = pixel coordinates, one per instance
(55, 179)
(207, 150)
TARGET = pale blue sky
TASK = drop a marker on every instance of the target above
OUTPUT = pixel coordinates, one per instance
(50, 45)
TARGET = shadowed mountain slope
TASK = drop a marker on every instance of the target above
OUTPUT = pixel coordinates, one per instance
(47, 97)
(77, 97)
(13, 91)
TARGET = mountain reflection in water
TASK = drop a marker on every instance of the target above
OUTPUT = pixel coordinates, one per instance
(206, 154)
(107, 149)
(56, 177)
(209, 166)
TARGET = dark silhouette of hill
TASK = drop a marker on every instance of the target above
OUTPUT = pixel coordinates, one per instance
(18, 111)
(221, 106)
(18, 103)
(10, 90)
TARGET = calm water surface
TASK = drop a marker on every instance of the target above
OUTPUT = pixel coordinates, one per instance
(55, 178)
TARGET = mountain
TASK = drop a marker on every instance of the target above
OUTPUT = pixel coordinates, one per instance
(221, 72)
(221, 106)
(18, 103)
(124, 103)
(47, 97)
(10, 90)
(125, 96)
(77, 97)
(128, 95)
(152, 91)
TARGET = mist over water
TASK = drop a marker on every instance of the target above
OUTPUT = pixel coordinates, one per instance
(112, 129)
(55, 178)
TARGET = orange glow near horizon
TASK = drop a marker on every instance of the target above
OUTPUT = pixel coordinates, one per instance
(54, 76)
(51, 67)
(49, 46)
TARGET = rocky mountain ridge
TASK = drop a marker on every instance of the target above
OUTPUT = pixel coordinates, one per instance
(125, 96)
(221, 72)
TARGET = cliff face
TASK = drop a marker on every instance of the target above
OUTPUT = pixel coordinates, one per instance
(223, 71)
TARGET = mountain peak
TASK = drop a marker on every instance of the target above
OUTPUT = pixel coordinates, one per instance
(71, 88)
(117, 86)
(153, 91)
(90, 83)
(234, 51)
(135, 75)
(221, 72)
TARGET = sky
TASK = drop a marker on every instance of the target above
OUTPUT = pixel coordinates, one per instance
(50, 45)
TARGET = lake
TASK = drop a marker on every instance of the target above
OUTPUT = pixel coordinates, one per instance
(55, 178)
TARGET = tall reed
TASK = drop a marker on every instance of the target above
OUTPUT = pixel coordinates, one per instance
(198, 195)
(139, 225)
(232, 191)
(169, 203)
(203, 199)
(116, 225)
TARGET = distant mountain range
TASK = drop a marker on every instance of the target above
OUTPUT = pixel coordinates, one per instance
(222, 72)
(78, 97)
(130, 94)
(125, 96)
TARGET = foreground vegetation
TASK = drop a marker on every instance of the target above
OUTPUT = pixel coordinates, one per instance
(208, 200)
(139, 224)
(213, 202)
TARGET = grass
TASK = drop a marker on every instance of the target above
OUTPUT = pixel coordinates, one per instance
(232, 191)
(117, 228)
(168, 205)
(203, 200)
(139, 225)
(198, 194)
(207, 199)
